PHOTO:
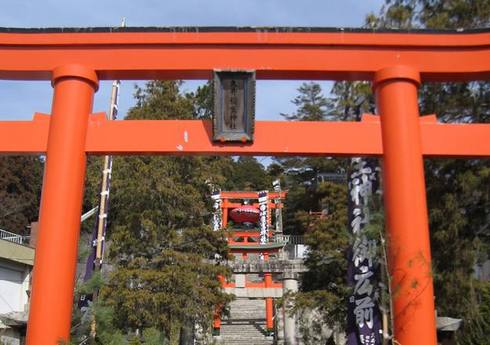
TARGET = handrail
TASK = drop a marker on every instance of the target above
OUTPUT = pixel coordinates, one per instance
(12, 237)
(289, 239)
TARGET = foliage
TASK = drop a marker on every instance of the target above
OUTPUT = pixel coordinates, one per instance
(159, 238)
(327, 240)
(323, 291)
(432, 14)
(249, 174)
(458, 191)
(311, 104)
(349, 100)
(203, 101)
(20, 191)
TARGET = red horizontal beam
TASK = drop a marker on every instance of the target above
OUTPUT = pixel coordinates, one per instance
(254, 285)
(144, 38)
(193, 137)
(236, 205)
(238, 233)
(271, 138)
(274, 55)
(247, 195)
(252, 249)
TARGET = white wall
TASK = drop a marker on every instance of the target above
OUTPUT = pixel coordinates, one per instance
(14, 283)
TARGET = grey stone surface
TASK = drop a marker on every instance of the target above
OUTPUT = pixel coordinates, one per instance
(272, 265)
(246, 324)
(255, 292)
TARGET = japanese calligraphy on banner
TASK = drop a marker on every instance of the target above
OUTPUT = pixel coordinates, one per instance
(363, 319)
(263, 221)
(217, 218)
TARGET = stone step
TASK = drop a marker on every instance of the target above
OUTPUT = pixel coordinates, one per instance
(247, 309)
(245, 325)
(245, 341)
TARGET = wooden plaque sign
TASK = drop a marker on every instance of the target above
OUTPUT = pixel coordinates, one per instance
(234, 106)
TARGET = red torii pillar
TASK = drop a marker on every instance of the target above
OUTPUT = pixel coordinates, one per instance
(396, 90)
(61, 205)
(342, 55)
(406, 207)
(269, 303)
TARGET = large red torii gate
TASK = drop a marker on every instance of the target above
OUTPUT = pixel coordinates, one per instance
(76, 59)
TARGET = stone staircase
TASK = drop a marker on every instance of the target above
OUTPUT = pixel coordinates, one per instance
(245, 325)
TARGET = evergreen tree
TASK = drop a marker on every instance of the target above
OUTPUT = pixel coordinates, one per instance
(301, 173)
(311, 104)
(249, 174)
(349, 100)
(160, 240)
(20, 192)
(318, 210)
(458, 191)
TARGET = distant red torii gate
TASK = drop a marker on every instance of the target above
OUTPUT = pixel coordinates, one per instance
(75, 59)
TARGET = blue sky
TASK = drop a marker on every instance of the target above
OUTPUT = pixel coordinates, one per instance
(21, 99)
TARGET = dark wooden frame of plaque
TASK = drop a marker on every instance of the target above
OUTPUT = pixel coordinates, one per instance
(220, 132)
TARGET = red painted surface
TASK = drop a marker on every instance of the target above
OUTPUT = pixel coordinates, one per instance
(400, 137)
(405, 205)
(290, 139)
(281, 55)
(255, 285)
(269, 307)
(245, 214)
(61, 203)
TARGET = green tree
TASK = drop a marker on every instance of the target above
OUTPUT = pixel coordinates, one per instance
(349, 100)
(311, 104)
(160, 240)
(457, 190)
(301, 173)
(249, 174)
(20, 191)
(323, 290)
(327, 239)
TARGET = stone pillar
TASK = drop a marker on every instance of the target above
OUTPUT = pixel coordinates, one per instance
(289, 284)
(279, 322)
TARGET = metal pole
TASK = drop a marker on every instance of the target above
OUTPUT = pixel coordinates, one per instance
(406, 208)
(61, 203)
(104, 201)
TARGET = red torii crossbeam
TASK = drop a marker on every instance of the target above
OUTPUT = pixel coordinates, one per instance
(75, 60)
(193, 137)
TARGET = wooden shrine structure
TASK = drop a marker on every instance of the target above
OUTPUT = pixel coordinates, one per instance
(396, 63)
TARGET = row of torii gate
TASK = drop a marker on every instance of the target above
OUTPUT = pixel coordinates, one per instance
(252, 240)
(395, 62)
